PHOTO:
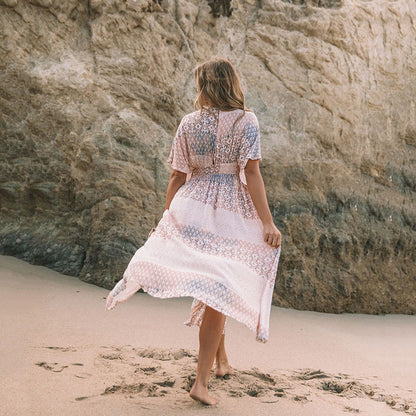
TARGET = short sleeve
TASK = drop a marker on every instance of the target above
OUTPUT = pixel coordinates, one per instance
(179, 156)
(250, 147)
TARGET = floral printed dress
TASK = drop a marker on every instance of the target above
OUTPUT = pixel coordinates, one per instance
(209, 244)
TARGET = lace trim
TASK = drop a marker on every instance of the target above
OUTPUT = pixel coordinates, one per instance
(261, 259)
(165, 283)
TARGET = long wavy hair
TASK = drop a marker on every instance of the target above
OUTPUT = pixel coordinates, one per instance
(218, 81)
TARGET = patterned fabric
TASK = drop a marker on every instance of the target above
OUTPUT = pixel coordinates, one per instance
(209, 243)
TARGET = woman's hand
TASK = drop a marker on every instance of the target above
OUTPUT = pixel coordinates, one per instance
(272, 235)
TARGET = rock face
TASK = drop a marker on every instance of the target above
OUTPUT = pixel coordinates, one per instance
(91, 94)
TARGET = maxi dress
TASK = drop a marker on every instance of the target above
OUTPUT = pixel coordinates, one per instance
(209, 244)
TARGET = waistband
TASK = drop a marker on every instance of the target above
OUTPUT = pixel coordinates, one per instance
(231, 167)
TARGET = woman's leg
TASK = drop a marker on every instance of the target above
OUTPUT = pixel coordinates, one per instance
(222, 365)
(209, 338)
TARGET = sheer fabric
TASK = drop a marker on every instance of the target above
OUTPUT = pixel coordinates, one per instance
(209, 243)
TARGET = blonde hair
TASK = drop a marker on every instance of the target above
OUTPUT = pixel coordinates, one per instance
(219, 82)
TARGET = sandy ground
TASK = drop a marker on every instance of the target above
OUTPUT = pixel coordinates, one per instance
(62, 353)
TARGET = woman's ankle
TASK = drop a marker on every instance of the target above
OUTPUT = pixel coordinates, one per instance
(200, 384)
(221, 359)
(222, 365)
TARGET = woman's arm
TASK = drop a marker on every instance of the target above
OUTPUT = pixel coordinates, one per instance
(177, 179)
(257, 192)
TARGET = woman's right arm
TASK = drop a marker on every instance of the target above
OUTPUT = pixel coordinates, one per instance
(257, 192)
(177, 179)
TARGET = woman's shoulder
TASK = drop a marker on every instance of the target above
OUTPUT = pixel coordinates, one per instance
(242, 115)
(250, 115)
(245, 118)
(190, 117)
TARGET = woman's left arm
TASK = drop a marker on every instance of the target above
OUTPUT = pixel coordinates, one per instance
(177, 179)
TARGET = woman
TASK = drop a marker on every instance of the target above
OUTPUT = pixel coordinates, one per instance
(216, 240)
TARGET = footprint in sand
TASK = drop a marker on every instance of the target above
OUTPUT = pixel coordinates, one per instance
(83, 375)
(164, 355)
(255, 372)
(167, 382)
(347, 389)
(188, 381)
(340, 385)
(253, 383)
(309, 374)
(55, 367)
(144, 389)
(147, 370)
(111, 356)
(255, 390)
(62, 349)
(351, 409)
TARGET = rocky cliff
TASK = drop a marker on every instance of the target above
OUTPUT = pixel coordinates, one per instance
(91, 93)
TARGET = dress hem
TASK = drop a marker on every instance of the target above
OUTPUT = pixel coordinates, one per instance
(164, 294)
(203, 299)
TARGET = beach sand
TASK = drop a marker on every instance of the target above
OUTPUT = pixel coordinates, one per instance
(62, 353)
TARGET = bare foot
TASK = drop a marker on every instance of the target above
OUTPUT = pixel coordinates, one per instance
(201, 394)
(222, 369)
